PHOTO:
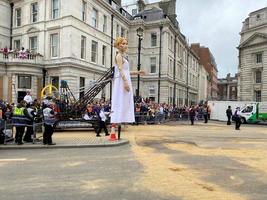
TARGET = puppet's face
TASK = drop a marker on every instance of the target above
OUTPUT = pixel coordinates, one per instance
(123, 45)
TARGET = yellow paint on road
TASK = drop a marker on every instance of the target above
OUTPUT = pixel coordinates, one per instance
(151, 145)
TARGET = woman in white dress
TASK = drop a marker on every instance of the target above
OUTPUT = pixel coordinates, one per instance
(122, 103)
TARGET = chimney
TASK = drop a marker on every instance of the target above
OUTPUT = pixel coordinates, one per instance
(168, 7)
(141, 5)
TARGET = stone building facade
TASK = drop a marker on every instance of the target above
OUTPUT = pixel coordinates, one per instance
(252, 69)
(73, 42)
(227, 88)
(171, 67)
(203, 84)
(73, 39)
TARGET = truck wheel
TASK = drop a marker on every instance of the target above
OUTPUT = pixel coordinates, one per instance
(243, 120)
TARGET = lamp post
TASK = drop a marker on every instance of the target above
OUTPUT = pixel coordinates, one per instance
(140, 37)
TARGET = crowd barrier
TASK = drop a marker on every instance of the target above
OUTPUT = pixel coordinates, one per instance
(7, 129)
(158, 118)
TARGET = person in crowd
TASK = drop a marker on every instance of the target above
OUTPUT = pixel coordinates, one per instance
(49, 122)
(2, 108)
(192, 114)
(89, 113)
(28, 97)
(229, 115)
(5, 52)
(122, 103)
(19, 120)
(209, 110)
(30, 114)
(22, 53)
(205, 113)
(237, 118)
(2, 123)
(102, 122)
(137, 113)
(161, 114)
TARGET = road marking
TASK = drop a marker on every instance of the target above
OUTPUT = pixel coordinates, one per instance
(14, 160)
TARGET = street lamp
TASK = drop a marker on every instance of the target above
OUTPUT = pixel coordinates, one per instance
(140, 37)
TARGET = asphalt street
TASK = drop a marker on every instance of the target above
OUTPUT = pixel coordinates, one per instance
(174, 161)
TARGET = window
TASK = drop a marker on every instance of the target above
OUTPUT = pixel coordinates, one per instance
(258, 17)
(105, 24)
(17, 44)
(171, 42)
(83, 47)
(153, 39)
(94, 51)
(153, 65)
(259, 58)
(94, 18)
(258, 77)
(18, 16)
(134, 12)
(55, 9)
(152, 91)
(82, 85)
(54, 45)
(34, 12)
(33, 44)
(248, 109)
(122, 32)
(117, 30)
(181, 72)
(55, 81)
(84, 8)
(104, 49)
(24, 81)
(258, 96)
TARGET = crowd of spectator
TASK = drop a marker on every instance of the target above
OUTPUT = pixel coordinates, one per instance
(149, 112)
(146, 111)
(19, 53)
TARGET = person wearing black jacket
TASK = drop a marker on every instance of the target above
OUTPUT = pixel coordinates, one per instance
(205, 113)
(30, 114)
(229, 114)
(192, 114)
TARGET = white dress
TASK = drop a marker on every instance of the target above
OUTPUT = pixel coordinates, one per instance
(122, 103)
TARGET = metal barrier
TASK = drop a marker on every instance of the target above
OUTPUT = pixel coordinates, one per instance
(157, 118)
(7, 129)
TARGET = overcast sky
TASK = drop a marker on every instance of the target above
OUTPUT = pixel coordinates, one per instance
(216, 24)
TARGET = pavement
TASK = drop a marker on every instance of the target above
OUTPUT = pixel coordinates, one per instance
(70, 139)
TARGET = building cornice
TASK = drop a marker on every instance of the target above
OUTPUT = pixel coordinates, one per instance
(246, 44)
(253, 29)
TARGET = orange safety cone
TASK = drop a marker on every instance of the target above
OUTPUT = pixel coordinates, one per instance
(112, 134)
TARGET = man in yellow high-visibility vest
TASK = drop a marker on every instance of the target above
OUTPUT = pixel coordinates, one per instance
(19, 120)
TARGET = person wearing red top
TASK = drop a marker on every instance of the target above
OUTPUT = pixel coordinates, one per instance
(5, 52)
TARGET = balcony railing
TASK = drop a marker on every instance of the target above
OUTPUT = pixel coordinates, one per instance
(19, 56)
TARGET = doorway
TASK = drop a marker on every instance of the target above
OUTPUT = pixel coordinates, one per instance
(21, 95)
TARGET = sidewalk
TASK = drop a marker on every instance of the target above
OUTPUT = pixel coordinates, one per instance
(70, 139)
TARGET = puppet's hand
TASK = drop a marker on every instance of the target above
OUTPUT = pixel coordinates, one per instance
(126, 86)
(141, 72)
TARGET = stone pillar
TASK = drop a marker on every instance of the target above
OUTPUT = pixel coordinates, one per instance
(228, 92)
(9, 93)
(39, 87)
